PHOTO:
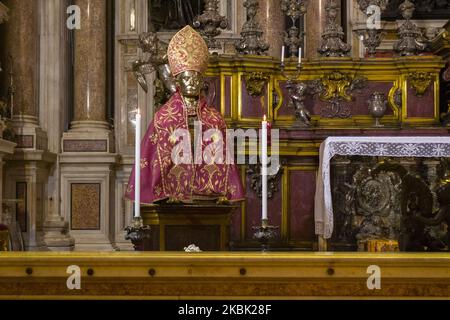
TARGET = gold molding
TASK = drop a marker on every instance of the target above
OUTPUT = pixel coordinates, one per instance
(244, 203)
(285, 200)
(215, 275)
(223, 94)
(394, 70)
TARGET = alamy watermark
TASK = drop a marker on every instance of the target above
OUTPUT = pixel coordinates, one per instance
(374, 280)
(373, 17)
(74, 20)
(74, 280)
(211, 147)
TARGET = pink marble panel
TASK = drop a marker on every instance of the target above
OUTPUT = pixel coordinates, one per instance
(359, 105)
(252, 106)
(24, 141)
(85, 145)
(421, 107)
(302, 189)
(214, 93)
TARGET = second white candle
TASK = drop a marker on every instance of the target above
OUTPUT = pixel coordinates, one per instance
(137, 167)
(264, 168)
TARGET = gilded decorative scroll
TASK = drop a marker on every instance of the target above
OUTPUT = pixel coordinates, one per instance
(255, 83)
(420, 81)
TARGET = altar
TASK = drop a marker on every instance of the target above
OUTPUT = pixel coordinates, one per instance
(384, 147)
(175, 227)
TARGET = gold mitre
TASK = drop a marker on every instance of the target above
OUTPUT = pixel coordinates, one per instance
(187, 51)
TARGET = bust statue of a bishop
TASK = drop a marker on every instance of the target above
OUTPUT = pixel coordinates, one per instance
(184, 151)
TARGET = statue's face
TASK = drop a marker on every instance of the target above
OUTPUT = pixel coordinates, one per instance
(190, 83)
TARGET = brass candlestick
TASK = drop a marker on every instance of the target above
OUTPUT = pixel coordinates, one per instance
(264, 234)
(138, 234)
(296, 75)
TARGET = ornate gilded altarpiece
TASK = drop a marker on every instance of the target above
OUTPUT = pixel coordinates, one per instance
(244, 87)
(337, 97)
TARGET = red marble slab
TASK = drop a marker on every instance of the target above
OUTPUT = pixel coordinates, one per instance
(301, 205)
(252, 106)
(421, 107)
(214, 93)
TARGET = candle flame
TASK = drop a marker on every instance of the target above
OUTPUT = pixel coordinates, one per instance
(138, 111)
(265, 118)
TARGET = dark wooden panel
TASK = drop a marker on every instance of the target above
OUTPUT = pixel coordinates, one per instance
(205, 237)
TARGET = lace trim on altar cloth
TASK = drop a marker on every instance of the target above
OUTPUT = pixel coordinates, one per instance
(429, 147)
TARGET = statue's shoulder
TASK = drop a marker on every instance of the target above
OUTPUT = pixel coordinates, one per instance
(173, 105)
(170, 113)
(213, 110)
(170, 104)
(212, 115)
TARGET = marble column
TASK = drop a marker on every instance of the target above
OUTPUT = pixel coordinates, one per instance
(3, 18)
(271, 19)
(87, 160)
(315, 20)
(21, 35)
(53, 95)
(26, 171)
(90, 67)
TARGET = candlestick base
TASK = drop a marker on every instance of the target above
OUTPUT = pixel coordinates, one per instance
(264, 234)
(138, 234)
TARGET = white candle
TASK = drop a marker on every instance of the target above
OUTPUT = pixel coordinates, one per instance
(264, 168)
(133, 19)
(282, 54)
(361, 47)
(137, 167)
(299, 55)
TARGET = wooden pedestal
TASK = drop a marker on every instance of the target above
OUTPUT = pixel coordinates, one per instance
(174, 227)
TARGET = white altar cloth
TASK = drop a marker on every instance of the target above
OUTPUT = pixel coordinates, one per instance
(365, 146)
